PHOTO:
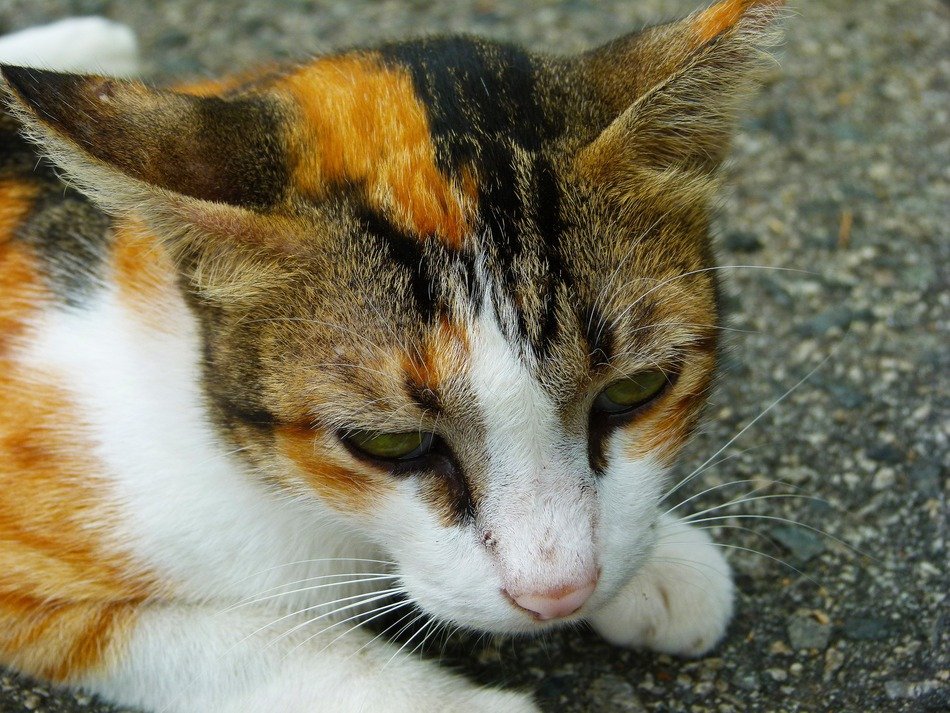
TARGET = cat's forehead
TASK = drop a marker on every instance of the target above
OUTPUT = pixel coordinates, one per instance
(450, 163)
(422, 130)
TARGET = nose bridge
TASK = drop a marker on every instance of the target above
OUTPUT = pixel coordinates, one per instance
(542, 531)
(536, 511)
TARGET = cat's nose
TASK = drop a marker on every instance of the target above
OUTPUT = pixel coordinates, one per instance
(555, 603)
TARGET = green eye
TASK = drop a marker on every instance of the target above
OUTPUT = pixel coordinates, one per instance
(635, 390)
(391, 446)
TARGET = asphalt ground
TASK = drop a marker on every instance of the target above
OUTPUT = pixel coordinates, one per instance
(840, 170)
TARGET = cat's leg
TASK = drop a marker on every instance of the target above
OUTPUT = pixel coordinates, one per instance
(79, 44)
(180, 659)
(679, 603)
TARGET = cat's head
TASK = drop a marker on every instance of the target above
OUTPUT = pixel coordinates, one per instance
(455, 294)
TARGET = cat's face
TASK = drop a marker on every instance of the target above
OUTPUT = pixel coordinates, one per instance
(455, 295)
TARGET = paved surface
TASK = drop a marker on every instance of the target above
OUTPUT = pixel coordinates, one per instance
(841, 169)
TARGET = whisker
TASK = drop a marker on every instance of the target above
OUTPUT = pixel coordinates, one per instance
(757, 552)
(404, 645)
(367, 577)
(713, 488)
(363, 599)
(749, 425)
(790, 522)
(685, 562)
(379, 611)
(681, 276)
(319, 560)
(608, 285)
(433, 627)
(260, 629)
(380, 634)
(692, 518)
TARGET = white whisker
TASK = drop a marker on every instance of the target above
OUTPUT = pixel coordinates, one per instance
(749, 425)
(363, 599)
(379, 611)
(367, 577)
(776, 518)
(776, 496)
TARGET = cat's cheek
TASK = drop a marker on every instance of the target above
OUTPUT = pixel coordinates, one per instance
(628, 492)
(439, 566)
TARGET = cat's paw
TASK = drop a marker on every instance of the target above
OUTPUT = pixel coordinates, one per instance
(679, 603)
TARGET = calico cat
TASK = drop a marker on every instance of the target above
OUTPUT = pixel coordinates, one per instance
(403, 330)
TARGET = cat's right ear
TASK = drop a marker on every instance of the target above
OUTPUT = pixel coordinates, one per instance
(206, 171)
(103, 131)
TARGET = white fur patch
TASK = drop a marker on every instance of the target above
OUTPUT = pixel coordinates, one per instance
(191, 512)
(80, 44)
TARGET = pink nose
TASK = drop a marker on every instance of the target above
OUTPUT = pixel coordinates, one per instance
(555, 603)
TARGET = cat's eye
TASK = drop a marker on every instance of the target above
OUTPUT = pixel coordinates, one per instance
(391, 446)
(632, 391)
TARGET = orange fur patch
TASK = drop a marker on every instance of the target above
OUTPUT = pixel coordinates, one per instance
(441, 355)
(63, 596)
(363, 124)
(57, 641)
(49, 497)
(223, 85)
(20, 285)
(340, 487)
(720, 17)
(144, 274)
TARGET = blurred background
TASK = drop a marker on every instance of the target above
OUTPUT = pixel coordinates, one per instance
(842, 169)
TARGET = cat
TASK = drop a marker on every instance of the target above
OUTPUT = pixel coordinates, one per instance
(416, 329)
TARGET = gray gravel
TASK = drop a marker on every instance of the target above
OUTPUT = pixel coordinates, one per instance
(841, 170)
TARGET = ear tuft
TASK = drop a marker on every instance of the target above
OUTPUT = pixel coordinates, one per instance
(675, 89)
(730, 15)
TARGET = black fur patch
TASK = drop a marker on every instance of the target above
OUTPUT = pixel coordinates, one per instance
(407, 252)
(67, 233)
(487, 110)
(72, 238)
(476, 93)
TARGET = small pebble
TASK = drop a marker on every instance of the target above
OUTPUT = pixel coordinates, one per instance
(886, 453)
(806, 633)
(803, 544)
(740, 242)
(867, 628)
(613, 694)
(834, 660)
(897, 690)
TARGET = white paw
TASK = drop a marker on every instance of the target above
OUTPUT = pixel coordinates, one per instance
(679, 603)
(79, 44)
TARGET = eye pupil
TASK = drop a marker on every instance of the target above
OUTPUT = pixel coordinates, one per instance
(393, 446)
(630, 392)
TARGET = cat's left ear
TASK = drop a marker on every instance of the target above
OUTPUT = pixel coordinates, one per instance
(674, 90)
